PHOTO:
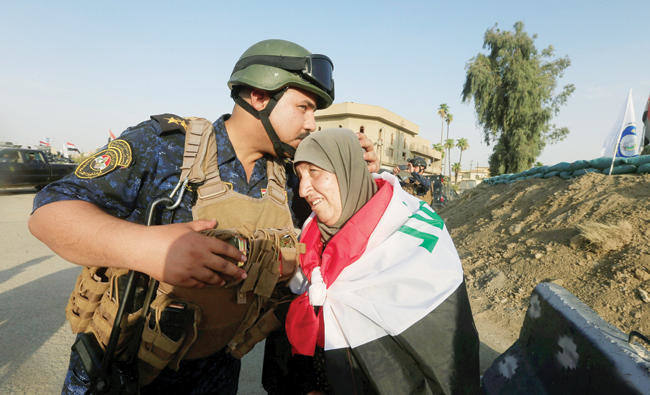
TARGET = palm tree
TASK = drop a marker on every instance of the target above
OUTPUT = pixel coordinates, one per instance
(462, 145)
(442, 111)
(448, 119)
(449, 144)
(456, 168)
(440, 148)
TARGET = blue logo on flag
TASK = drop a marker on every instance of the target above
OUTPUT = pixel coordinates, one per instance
(627, 144)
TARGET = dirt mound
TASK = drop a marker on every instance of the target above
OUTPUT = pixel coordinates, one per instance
(589, 234)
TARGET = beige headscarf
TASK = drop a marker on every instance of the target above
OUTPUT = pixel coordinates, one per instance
(338, 151)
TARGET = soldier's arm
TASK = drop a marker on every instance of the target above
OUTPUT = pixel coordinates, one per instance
(83, 234)
(418, 178)
(94, 216)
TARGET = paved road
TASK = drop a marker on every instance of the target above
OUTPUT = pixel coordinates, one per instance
(35, 284)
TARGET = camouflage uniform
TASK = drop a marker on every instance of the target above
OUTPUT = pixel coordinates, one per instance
(419, 183)
(126, 192)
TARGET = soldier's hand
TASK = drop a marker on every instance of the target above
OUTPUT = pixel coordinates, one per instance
(410, 169)
(190, 259)
(396, 170)
(370, 156)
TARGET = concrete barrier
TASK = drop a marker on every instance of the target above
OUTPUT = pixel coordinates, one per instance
(565, 347)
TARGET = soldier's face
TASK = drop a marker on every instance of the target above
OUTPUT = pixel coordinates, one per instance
(320, 189)
(293, 116)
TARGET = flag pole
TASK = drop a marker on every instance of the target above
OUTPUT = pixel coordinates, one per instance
(618, 140)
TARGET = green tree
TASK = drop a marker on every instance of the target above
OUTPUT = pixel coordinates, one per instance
(456, 168)
(513, 89)
(449, 144)
(462, 145)
(443, 109)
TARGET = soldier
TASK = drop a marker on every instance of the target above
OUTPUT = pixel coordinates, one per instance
(237, 178)
(416, 184)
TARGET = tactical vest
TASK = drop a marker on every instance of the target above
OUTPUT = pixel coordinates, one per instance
(189, 323)
(411, 189)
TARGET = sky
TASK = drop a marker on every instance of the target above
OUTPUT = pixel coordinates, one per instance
(73, 70)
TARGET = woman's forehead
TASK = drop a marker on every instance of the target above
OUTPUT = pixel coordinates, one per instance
(305, 164)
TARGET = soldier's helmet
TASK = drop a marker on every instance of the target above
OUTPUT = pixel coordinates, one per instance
(271, 65)
(418, 161)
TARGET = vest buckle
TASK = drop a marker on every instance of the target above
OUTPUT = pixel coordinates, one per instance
(277, 194)
(215, 190)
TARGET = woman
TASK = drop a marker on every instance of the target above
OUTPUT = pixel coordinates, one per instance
(382, 289)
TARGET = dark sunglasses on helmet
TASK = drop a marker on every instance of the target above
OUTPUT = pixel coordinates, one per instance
(315, 68)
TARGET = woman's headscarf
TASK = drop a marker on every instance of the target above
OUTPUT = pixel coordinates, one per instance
(338, 151)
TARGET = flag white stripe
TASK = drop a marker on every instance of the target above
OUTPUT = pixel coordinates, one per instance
(396, 282)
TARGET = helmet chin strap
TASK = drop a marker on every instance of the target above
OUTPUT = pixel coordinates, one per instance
(282, 149)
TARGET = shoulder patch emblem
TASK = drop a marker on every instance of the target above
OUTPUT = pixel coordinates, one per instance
(176, 121)
(170, 123)
(117, 154)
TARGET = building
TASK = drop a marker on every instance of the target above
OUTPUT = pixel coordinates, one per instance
(468, 179)
(395, 138)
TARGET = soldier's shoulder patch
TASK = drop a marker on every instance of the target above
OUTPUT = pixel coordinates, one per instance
(170, 123)
(117, 154)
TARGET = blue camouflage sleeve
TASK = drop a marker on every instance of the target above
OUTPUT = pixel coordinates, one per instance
(424, 181)
(118, 191)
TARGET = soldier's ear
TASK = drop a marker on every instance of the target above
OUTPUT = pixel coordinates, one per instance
(259, 99)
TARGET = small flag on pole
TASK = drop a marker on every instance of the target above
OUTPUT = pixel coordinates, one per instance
(112, 136)
(71, 147)
(45, 142)
(623, 141)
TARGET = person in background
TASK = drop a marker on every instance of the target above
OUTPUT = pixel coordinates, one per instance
(416, 184)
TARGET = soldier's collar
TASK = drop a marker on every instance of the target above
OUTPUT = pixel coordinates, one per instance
(225, 150)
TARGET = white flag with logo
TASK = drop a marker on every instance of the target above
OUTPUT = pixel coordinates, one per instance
(623, 141)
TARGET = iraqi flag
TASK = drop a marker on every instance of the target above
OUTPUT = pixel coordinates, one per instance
(71, 147)
(396, 318)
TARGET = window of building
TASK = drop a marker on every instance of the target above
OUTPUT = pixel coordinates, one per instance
(319, 128)
(362, 129)
(340, 126)
(391, 139)
(390, 152)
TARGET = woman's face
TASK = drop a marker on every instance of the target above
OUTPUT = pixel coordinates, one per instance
(321, 190)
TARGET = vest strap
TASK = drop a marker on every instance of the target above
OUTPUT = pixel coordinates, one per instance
(200, 154)
(277, 179)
